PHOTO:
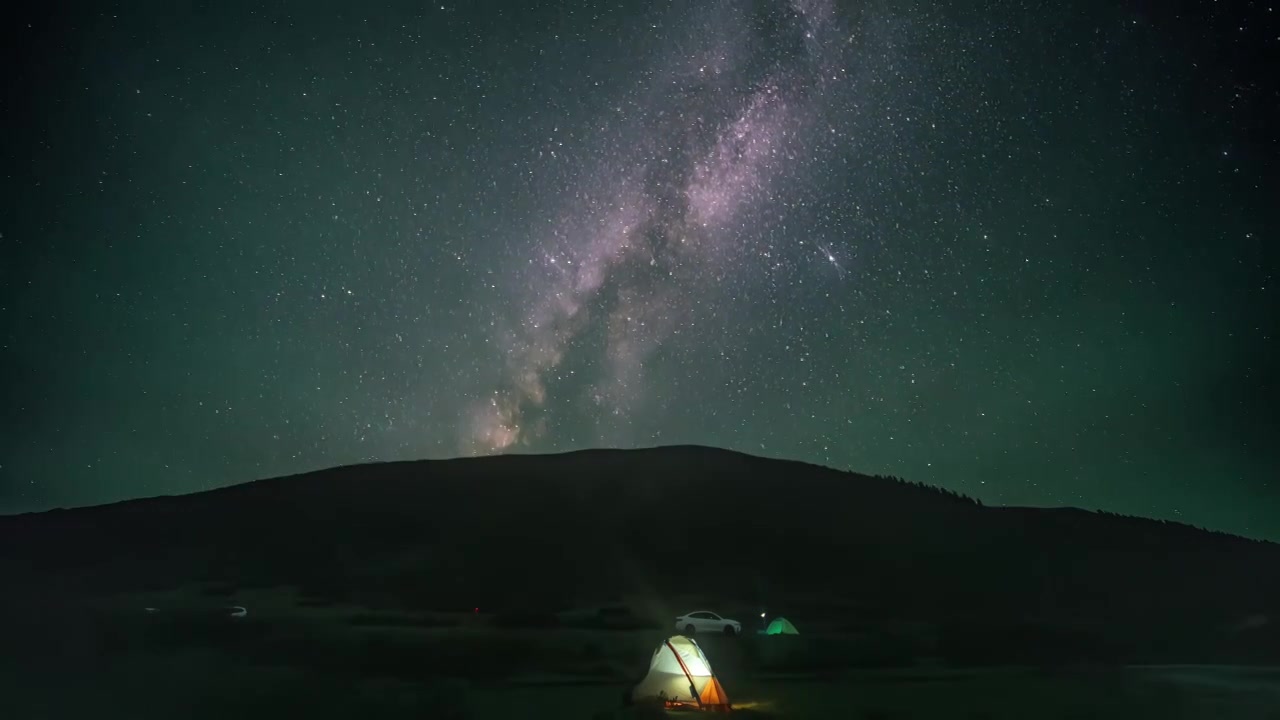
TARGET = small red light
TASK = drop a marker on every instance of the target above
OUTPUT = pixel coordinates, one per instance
(476, 611)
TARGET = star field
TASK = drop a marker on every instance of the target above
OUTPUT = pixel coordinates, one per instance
(1021, 252)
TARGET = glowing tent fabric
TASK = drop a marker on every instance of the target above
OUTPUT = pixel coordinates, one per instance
(781, 626)
(680, 674)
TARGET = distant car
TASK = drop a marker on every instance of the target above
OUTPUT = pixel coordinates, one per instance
(706, 621)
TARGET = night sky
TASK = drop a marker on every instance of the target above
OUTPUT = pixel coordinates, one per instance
(1021, 250)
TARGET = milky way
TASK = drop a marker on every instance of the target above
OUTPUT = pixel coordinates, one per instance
(1022, 251)
(634, 253)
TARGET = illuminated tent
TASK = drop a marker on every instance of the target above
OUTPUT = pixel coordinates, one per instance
(781, 626)
(680, 674)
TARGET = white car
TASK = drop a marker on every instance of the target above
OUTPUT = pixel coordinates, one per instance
(706, 621)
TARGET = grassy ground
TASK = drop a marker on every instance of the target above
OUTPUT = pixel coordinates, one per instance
(1001, 694)
(202, 685)
(333, 661)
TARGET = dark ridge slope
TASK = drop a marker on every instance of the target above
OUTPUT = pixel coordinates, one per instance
(557, 529)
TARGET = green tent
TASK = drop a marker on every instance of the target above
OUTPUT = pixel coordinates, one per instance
(781, 626)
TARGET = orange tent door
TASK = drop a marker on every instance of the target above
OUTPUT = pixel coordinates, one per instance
(713, 694)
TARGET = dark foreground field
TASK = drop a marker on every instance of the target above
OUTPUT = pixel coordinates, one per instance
(322, 665)
(471, 588)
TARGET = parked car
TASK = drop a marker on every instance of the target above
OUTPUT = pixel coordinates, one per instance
(706, 621)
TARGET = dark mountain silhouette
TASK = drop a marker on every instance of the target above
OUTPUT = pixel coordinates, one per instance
(558, 531)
